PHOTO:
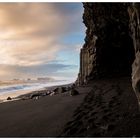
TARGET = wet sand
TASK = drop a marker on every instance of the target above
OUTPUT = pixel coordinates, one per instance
(14, 94)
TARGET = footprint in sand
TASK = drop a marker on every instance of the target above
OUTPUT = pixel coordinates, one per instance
(98, 123)
(118, 103)
(92, 126)
(113, 120)
(103, 107)
(97, 134)
(91, 120)
(111, 127)
(66, 129)
(70, 126)
(119, 91)
(125, 114)
(87, 106)
(69, 123)
(115, 97)
(105, 118)
(72, 131)
(78, 117)
(109, 114)
(78, 110)
(110, 105)
(98, 105)
(89, 100)
(85, 117)
(106, 110)
(93, 115)
(81, 112)
(82, 130)
(111, 102)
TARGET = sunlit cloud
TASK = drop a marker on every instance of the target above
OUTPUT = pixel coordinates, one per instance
(23, 53)
(22, 72)
(31, 34)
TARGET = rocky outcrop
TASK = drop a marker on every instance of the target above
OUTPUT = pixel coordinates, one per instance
(109, 48)
(134, 25)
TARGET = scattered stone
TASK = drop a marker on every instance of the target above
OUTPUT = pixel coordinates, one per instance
(60, 90)
(34, 96)
(74, 92)
(9, 98)
(53, 93)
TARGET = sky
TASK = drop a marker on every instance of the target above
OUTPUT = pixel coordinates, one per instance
(40, 40)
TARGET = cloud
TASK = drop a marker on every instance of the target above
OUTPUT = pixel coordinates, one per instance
(40, 19)
(23, 53)
(30, 32)
(32, 35)
(53, 70)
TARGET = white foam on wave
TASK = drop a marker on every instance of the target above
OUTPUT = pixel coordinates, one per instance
(19, 89)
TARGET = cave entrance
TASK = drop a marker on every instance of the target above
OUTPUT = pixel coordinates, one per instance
(116, 53)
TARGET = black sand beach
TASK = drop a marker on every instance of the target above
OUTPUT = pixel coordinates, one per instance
(109, 110)
(44, 117)
(104, 108)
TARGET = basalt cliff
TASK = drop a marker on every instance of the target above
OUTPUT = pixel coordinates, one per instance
(111, 40)
(110, 66)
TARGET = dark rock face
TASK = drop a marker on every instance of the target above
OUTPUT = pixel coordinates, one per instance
(109, 48)
(134, 25)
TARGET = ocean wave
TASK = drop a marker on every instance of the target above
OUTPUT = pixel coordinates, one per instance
(12, 88)
(28, 86)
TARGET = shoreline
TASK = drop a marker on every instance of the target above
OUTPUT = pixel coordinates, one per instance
(103, 108)
(20, 94)
(45, 117)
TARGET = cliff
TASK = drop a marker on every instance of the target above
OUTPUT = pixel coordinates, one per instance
(109, 49)
(110, 66)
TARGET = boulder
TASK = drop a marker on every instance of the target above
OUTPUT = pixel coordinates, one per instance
(34, 96)
(74, 92)
(59, 90)
(9, 98)
(52, 93)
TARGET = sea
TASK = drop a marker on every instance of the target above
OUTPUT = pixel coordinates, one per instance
(14, 90)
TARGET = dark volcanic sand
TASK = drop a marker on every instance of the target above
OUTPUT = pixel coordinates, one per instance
(104, 108)
(44, 117)
(109, 110)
